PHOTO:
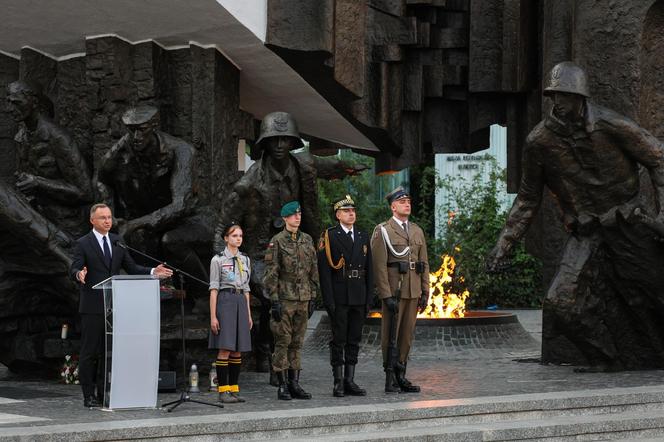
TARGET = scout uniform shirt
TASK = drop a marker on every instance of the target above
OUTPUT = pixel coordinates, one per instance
(230, 272)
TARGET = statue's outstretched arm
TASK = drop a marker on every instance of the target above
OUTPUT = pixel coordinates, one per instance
(523, 210)
(334, 168)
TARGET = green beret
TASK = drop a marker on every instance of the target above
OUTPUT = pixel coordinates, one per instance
(290, 208)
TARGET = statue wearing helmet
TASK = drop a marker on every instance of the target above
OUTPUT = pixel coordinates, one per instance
(279, 124)
(255, 201)
(609, 274)
(567, 77)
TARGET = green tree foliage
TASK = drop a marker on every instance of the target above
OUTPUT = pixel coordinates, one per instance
(423, 198)
(474, 223)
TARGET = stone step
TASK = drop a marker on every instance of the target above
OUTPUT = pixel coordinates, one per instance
(615, 426)
(575, 415)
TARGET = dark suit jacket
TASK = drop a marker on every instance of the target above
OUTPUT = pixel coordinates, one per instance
(89, 254)
(336, 286)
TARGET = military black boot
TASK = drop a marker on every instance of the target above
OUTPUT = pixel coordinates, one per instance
(338, 390)
(391, 385)
(404, 384)
(294, 385)
(350, 387)
(282, 392)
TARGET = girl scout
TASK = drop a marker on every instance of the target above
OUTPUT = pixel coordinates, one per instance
(230, 313)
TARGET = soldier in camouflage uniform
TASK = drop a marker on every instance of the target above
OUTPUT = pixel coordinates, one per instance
(291, 279)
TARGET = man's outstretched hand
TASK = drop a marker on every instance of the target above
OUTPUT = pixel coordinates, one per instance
(81, 275)
(161, 271)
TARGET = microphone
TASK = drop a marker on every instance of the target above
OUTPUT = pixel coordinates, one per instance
(119, 243)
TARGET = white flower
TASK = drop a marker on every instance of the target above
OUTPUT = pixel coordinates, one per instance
(76, 382)
(67, 358)
(62, 374)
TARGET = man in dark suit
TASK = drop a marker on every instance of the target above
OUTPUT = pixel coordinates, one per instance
(346, 280)
(97, 257)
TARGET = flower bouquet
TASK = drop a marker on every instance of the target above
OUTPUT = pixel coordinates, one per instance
(69, 372)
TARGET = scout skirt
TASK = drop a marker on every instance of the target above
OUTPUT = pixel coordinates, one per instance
(235, 334)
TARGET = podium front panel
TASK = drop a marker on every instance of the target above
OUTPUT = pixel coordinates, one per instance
(135, 343)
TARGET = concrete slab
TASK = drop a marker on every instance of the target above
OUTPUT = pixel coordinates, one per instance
(4, 400)
(6, 418)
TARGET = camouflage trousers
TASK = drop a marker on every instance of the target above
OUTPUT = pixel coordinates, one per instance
(289, 335)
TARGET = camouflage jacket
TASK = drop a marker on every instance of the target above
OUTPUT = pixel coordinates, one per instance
(291, 270)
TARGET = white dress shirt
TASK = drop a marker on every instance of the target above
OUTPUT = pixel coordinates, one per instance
(100, 241)
(352, 234)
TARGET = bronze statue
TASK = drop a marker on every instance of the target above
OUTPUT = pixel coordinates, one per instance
(41, 213)
(605, 304)
(45, 208)
(256, 200)
(148, 176)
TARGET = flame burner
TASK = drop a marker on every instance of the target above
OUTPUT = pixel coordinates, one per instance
(478, 334)
(471, 317)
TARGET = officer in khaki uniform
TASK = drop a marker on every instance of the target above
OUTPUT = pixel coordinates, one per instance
(291, 279)
(400, 257)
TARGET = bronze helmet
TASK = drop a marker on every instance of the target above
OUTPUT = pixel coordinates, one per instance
(279, 124)
(568, 77)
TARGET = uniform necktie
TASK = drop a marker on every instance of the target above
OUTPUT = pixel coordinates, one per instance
(350, 235)
(405, 227)
(107, 252)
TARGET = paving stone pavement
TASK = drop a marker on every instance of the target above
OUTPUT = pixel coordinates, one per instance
(444, 372)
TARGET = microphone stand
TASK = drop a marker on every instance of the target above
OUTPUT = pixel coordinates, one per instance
(158, 261)
(184, 396)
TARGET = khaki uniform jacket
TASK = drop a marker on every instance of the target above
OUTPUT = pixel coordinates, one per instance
(387, 278)
(291, 270)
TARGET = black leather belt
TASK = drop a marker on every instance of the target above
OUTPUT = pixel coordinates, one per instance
(411, 264)
(233, 290)
(355, 273)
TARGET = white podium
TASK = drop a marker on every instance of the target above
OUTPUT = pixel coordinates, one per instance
(131, 309)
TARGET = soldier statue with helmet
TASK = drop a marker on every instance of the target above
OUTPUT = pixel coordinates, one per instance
(255, 201)
(604, 305)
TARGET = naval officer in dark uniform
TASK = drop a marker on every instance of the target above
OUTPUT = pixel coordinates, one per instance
(346, 280)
